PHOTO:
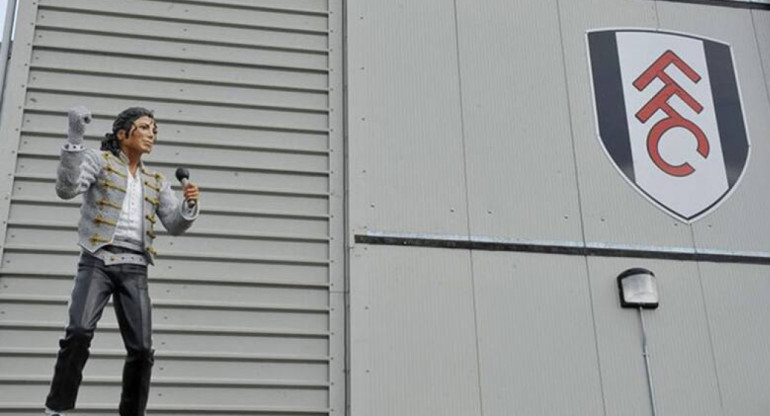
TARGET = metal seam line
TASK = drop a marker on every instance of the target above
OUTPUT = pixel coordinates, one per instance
(562, 247)
(467, 201)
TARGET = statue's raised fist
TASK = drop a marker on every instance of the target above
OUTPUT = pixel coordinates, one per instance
(78, 116)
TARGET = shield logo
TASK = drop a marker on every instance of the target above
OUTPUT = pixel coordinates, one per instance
(670, 116)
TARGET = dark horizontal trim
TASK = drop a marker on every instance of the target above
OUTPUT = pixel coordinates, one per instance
(561, 249)
(725, 3)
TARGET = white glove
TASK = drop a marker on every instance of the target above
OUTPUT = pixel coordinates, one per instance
(79, 116)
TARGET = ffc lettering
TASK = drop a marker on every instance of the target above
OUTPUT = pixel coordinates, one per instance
(674, 119)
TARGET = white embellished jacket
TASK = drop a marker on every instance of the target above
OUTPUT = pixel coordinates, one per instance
(101, 177)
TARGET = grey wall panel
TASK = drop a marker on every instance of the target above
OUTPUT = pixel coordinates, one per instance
(239, 290)
(244, 315)
(244, 244)
(53, 39)
(201, 112)
(65, 17)
(165, 394)
(182, 313)
(537, 351)
(192, 70)
(242, 160)
(217, 178)
(192, 265)
(613, 212)
(413, 347)
(252, 15)
(736, 299)
(195, 133)
(404, 120)
(15, 335)
(739, 223)
(255, 198)
(182, 366)
(271, 175)
(299, 6)
(681, 357)
(243, 95)
(516, 119)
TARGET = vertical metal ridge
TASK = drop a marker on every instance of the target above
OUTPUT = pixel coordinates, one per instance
(467, 203)
(337, 375)
(710, 333)
(580, 200)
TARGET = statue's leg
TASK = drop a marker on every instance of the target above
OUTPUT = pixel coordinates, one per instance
(133, 310)
(89, 296)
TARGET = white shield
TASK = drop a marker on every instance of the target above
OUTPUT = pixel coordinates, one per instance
(672, 114)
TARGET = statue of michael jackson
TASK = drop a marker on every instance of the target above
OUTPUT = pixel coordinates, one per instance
(122, 201)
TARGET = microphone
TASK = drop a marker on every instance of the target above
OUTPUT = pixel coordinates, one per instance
(183, 175)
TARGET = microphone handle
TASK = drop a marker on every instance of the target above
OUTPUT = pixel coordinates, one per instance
(190, 202)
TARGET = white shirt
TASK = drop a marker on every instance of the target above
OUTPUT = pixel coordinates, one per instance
(130, 224)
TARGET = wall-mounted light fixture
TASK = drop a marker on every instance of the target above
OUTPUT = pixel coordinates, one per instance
(638, 289)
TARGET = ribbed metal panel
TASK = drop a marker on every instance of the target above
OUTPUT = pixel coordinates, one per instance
(537, 352)
(405, 118)
(244, 92)
(516, 119)
(737, 307)
(413, 346)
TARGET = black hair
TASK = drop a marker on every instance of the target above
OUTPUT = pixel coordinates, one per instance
(123, 121)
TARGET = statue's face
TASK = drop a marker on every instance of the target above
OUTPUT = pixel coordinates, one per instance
(140, 138)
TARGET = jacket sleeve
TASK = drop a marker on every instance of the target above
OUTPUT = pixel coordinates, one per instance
(175, 215)
(77, 171)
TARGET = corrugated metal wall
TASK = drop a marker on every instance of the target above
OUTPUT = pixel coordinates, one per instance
(248, 305)
(474, 121)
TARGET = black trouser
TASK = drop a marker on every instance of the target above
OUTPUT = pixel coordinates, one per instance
(95, 282)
